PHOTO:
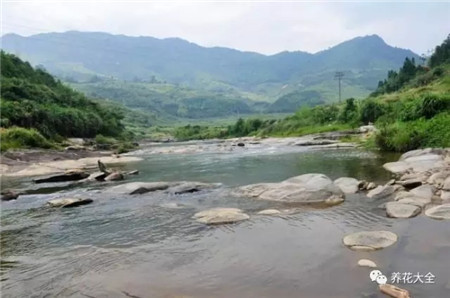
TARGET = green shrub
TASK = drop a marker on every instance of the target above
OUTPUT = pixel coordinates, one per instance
(421, 133)
(18, 137)
(100, 139)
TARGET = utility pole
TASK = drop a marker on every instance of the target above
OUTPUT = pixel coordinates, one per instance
(338, 76)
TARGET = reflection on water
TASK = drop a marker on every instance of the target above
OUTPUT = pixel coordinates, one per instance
(146, 246)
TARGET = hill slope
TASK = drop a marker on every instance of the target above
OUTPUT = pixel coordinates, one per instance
(33, 99)
(83, 56)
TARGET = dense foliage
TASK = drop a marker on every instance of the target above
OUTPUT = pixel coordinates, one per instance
(32, 98)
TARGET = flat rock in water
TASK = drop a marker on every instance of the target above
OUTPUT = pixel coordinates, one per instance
(116, 176)
(97, 176)
(420, 152)
(347, 184)
(140, 187)
(69, 202)
(370, 240)
(69, 176)
(394, 291)
(439, 212)
(315, 142)
(304, 189)
(367, 263)
(400, 210)
(9, 195)
(381, 192)
(269, 212)
(190, 187)
(220, 216)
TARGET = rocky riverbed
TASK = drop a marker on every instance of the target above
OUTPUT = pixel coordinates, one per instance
(417, 190)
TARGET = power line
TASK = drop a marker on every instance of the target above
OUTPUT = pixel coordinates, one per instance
(338, 76)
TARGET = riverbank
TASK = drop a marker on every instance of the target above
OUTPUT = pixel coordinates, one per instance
(174, 216)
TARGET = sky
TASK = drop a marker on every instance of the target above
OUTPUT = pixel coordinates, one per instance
(266, 27)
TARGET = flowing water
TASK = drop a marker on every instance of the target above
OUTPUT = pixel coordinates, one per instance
(148, 246)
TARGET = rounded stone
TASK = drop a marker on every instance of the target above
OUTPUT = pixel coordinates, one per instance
(269, 212)
(401, 210)
(220, 216)
(367, 263)
(370, 240)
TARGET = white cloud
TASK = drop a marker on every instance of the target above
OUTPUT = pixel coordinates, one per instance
(261, 27)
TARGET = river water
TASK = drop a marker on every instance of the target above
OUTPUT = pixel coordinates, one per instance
(148, 245)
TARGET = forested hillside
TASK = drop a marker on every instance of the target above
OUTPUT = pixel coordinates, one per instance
(410, 108)
(34, 106)
(240, 82)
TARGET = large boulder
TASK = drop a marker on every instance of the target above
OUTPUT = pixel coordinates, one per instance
(69, 202)
(381, 192)
(347, 184)
(439, 212)
(220, 216)
(308, 188)
(72, 175)
(401, 210)
(417, 162)
(370, 240)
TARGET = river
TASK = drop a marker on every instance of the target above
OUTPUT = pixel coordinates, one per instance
(149, 246)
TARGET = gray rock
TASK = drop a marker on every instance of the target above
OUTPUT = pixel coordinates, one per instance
(424, 191)
(439, 212)
(116, 176)
(445, 195)
(410, 183)
(190, 187)
(446, 185)
(381, 192)
(135, 172)
(347, 184)
(370, 240)
(309, 188)
(220, 216)
(400, 210)
(69, 202)
(9, 195)
(420, 152)
(371, 186)
(97, 176)
(419, 163)
(140, 187)
(437, 179)
(367, 263)
(269, 212)
(72, 175)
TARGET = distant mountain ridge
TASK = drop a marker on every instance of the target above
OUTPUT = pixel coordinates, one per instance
(87, 56)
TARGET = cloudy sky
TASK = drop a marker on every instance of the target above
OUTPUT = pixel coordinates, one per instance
(261, 26)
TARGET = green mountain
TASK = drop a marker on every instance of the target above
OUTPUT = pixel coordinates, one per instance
(95, 62)
(33, 99)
